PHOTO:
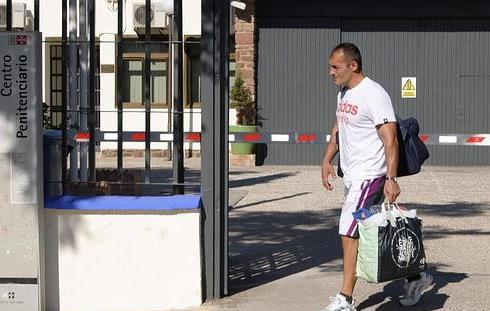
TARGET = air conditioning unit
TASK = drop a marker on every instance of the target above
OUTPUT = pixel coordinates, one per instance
(18, 15)
(158, 18)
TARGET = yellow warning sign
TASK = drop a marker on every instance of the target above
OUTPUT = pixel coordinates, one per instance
(409, 87)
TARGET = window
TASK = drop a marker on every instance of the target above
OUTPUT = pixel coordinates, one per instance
(194, 93)
(55, 102)
(55, 89)
(133, 82)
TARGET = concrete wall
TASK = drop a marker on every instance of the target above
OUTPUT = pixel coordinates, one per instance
(122, 261)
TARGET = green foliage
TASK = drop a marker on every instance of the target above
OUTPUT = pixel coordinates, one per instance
(241, 99)
(47, 122)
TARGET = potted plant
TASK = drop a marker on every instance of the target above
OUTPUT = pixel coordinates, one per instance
(241, 100)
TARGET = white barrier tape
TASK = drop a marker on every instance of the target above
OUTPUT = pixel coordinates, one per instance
(448, 139)
(166, 137)
(110, 136)
(302, 138)
(280, 137)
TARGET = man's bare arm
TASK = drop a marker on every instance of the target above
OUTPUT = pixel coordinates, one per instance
(388, 135)
(330, 152)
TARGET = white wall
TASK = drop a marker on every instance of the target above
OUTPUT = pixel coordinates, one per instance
(125, 262)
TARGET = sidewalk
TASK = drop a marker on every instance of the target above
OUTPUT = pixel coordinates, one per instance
(285, 252)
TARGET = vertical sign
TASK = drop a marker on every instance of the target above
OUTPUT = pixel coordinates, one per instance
(21, 183)
(409, 87)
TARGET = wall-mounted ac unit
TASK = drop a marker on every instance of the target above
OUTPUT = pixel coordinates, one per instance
(158, 17)
(18, 15)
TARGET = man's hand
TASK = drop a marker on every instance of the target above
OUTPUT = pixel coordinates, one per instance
(391, 190)
(327, 170)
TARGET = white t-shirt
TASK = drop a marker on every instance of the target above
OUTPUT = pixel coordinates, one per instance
(359, 111)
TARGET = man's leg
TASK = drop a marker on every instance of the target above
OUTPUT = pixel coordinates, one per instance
(349, 248)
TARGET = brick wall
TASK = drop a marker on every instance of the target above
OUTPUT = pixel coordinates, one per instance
(245, 44)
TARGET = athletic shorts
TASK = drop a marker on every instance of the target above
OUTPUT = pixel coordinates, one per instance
(359, 193)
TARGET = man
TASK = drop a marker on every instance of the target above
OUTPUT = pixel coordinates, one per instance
(368, 145)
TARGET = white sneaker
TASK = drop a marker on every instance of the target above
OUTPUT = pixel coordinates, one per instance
(415, 289)
(339, 303)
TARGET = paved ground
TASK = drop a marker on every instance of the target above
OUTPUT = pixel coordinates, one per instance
(285, 251)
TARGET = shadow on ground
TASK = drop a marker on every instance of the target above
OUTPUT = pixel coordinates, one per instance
(453, 209)
(266, 246)
(258, 180)
(431, 300)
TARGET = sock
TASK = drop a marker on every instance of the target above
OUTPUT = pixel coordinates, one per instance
(413, 278)
(348, 298)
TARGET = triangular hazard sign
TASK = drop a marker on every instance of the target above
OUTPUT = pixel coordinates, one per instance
(408, 86)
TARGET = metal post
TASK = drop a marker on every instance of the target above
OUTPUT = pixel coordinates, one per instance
(91, 91)
(64, 102)
(73, 85)
(36, 15)
(214, 145)
(146, 90)
(171, 88)
(119, 75)
(9, 15)
(83, 102)
(178, 114)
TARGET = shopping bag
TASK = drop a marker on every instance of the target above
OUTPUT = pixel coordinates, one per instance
(390, 245)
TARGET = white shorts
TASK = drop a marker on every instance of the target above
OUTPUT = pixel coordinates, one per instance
(359, 193)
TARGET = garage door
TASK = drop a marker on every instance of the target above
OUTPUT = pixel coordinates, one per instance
(447, 56)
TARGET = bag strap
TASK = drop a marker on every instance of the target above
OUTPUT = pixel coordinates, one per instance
(386, 210)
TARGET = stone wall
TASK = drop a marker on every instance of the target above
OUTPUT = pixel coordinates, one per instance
(245, 49)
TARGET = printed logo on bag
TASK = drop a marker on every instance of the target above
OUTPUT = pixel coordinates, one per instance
(405, 247)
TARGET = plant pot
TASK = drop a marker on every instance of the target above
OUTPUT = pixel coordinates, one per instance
(243, 148)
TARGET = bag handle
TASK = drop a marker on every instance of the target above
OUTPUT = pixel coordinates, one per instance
(386, 210)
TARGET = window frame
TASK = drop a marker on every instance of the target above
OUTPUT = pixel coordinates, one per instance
(188, 91)
(56, 104)
(156, 56)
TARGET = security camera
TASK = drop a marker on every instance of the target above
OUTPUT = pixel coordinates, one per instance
(238, 4)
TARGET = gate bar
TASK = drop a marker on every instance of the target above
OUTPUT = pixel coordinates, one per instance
(36, 15)
(178, 117)
(119, 73)
(9, 15)
(64, 102)
(146, 87)
(91, 91)
(214, 146)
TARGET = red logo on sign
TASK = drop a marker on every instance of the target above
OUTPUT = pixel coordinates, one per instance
(21, 40)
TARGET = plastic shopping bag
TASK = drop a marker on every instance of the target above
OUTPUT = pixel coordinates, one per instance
(390, 245)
